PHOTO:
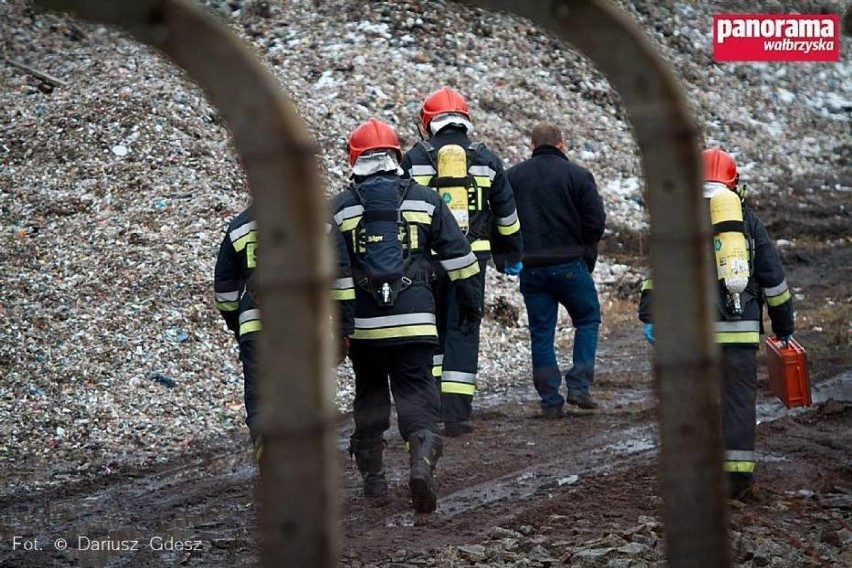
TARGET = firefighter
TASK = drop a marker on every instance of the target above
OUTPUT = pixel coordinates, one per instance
(739, 324)
(482, 203)
(235, 300)
(383, 229)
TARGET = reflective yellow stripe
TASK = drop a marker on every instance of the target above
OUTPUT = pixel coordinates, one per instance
(349, 224)
(391, 332)
(249, 326)
(778, 300)
(413, 238)
(417, 217)
(458, 388)
(737, 337)
(647, 284)
(509, 230)
(480, 245)
(463, 273)
(347, 294)
(250, 237)
(436, 370)
(422, 180)
(739, 466)
(482, 181)
(227, 306)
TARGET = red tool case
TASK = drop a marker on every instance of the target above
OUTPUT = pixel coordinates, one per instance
(788, 372)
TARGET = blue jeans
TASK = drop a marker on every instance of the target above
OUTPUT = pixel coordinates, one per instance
(544, 288)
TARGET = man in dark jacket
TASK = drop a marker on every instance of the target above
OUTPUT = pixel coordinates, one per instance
(235, 266)
(738, 331)
(383, 229)
(482, 203)
(562, 220)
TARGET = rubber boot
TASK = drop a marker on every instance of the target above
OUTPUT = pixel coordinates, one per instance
(368, 458)
(425, 448)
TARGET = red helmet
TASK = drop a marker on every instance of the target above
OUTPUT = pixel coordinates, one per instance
(441, 101)
(372, 135)
(720, 166)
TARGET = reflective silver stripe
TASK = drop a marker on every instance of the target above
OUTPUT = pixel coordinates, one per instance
(249, 315)
(506, 221)
(228, 296)
(744, 325)
(392, 321)
(438, 359)
(776, 290)
(417, 205)
(458, 377)
(457, 263)
(739, 455)
(343, 283)
(348, 213)
(242, 231)
(426, 170)
(482, 171)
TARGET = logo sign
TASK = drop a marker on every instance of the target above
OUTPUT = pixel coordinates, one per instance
(776, 37)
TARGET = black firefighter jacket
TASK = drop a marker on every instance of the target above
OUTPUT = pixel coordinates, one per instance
(560, 209)
(430, 226)
(766, 284)
(234, 269)
(494, 226)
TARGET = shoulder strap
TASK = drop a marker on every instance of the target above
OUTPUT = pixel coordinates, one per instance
(430, 152)
(354, 189)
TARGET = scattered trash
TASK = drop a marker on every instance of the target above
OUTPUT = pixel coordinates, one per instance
(176, 335)
(163, 380)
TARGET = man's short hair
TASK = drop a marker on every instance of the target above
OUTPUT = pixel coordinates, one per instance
(546, 134)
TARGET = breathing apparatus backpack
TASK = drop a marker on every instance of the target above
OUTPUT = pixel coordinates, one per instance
(730, 245)
(459, 190)
(383, 240)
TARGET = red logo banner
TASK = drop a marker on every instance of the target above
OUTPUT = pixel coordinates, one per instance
(776, 37)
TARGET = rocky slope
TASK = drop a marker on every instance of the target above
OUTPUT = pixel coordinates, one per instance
(115, 189)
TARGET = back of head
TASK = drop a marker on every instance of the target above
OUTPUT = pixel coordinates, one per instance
(444, 101)
(546, 134)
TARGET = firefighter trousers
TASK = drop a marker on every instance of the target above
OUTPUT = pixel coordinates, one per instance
(739, 412)
(456, 361)
(248, 357)
(407, 367)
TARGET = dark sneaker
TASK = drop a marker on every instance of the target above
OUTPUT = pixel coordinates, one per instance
(455, 429)
(582, 400)
(552, 412)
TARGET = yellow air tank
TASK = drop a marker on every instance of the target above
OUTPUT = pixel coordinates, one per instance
(452, 168)
(729, 243)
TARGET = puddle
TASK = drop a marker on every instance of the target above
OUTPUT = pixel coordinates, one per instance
(838, 388)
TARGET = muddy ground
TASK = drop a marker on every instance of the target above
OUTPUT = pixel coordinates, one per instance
(520, 491)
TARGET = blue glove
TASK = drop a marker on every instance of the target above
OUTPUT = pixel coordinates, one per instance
(785, 340)
(513, 268)
(649, 332)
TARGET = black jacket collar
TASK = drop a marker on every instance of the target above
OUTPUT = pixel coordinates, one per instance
(546, 150)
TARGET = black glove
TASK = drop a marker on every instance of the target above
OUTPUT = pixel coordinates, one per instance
(469, 299)
(342, 350)
(469, 316)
